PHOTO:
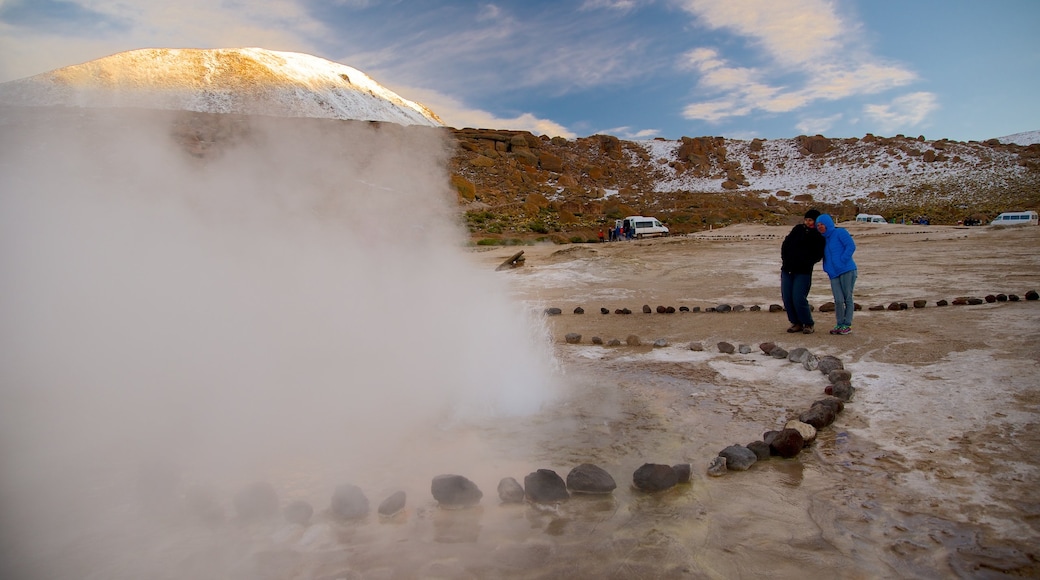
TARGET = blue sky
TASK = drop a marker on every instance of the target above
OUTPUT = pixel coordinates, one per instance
(959, 69)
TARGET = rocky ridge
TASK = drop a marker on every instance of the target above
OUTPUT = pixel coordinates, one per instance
(514, 184)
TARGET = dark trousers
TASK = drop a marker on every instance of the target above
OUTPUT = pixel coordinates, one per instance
(794, 288)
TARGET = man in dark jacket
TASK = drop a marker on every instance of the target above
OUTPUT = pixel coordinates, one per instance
(802, 248)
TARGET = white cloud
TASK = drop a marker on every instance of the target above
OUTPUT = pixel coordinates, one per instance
(902, 112)
(619, 5)
(805, 42)
(456, 114)
(626, 132)
(818, 125)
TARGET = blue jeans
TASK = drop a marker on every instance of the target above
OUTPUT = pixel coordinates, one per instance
(794, 289)
(844, 306)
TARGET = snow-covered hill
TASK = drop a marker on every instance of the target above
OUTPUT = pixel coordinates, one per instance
(1026, 138)
(242, 80)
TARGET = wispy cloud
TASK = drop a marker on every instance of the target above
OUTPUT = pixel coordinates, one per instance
(810, 54)
(817, 125)
(459, 115)
(907, 111)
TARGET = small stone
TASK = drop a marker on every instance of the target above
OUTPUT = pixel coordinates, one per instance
(877, 307)
(942, 303)
(589, 478)
(811, 362)
(695, 309)
(717, 466)
(646, 309)
(760, 449)
(545, 486)
(828, 363)
(553, 312)
(696, 346)
(455, 491)
(597, 340)
(738, 308)
(778, 352)
(844, 390)
(723, 308)
(633, 340)
(614, 342)
(744, 349)
(684, 309)
(755, 308)
(974, 301)
(1013, 298)
(893, 306)
(349, 502)
(776, 308)
(660, 343)
(572, 338)
(798, 355)
(839, 375)
(920, 303)
(1002, 298)
(787, 443)
(392, 505)
(827, 307)
(510, 490)
(726, 348)
(604, 311)
(807, 431)
(767, 347)
(662, 309)
(579, 310)
(1032, 295)
(738, 457)
(991, 298)
(652, 477)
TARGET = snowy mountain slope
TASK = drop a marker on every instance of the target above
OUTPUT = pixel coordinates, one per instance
(1026, 138)
(242, 81)
(854, 169)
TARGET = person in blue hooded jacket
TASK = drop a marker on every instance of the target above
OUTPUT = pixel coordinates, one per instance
(837, 263)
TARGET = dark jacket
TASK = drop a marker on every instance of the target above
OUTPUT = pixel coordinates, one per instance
(802, 248)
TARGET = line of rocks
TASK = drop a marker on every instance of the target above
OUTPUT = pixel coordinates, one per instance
(1031, 295)
(259, 500)
(800, 432)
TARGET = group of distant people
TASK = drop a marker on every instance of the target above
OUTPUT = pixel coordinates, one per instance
(618, 232)
(815, 239)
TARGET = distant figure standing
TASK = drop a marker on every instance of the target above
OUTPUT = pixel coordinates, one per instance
(802, 248)
(601, 235)
(837, 262)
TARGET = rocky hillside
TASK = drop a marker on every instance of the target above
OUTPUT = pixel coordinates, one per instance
(515, 186)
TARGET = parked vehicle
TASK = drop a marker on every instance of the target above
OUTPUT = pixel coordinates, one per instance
(871, 218)
(643, 227)
(1016, 218)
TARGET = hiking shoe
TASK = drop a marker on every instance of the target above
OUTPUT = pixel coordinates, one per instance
(837, 329)
(808, 329)
(795, 328)
(845, 330)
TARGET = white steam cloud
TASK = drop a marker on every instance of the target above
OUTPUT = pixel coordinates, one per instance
(228, 296)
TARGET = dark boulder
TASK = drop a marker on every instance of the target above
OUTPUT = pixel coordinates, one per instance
(545, 486)
(726, 348)
(589, 478)
(829, 363)
(455, 491)
(653, 477)
(579, 310)
(788, 443)
(738, 457)
(349, 502)
(760, 449)
(510, 490)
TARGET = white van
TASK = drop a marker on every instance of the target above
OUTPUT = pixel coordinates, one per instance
(1015, 218)
(871, 218)
(643, 227)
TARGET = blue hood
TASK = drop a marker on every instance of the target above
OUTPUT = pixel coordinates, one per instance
(827, 221)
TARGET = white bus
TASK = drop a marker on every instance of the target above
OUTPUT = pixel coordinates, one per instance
(871, 218)
(1015, 218)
